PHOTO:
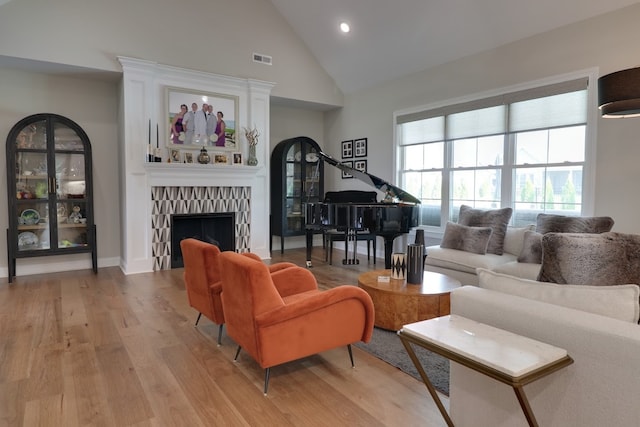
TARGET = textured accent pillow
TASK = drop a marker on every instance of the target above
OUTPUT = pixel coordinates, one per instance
(464, 238)
(590, 259)
(497, 219)
(531, 248)
(514, 237)
(619, 302)
(547, 223)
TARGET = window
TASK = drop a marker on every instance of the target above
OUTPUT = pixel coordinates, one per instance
(525, 149)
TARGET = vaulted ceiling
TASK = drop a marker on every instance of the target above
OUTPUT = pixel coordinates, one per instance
(390, 39)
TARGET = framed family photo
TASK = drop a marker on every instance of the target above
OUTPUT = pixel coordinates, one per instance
(360, 147)
(180, 103)
(188, 157)
(175, 156)
(220, 158)
(237, 158)
(347, 149)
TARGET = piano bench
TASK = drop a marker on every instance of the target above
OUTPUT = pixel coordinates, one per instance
(331, 236)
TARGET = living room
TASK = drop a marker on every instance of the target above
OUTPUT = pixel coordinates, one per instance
(67, 63)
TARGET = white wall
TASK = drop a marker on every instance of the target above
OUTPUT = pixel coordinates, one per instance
(208, 35)
(608, 42)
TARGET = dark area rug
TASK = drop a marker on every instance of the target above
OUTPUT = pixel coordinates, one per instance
(386, 345)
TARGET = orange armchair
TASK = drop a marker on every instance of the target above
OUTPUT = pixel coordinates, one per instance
(283, 316)
(202, 278)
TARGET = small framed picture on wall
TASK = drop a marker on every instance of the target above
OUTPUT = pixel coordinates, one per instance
(360, 147)
(360, 165)
(346, 175)
(347, 149)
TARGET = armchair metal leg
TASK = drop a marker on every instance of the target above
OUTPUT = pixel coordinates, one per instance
(266, 380)
(198, 319)
(237, 353)
(220, 334)
(353, 365)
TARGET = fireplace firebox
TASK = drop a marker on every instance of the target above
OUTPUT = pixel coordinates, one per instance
(214, 228)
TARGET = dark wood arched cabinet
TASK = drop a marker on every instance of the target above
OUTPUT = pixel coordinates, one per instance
(297, 178)
(49, 189)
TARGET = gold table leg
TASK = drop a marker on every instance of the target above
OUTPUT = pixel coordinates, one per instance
(427, 382)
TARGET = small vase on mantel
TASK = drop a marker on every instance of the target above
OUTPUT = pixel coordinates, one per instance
(252, 160)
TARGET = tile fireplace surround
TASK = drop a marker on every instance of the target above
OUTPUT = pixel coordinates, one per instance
(151, 192)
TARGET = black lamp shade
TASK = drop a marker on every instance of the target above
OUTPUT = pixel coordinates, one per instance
(619, 93)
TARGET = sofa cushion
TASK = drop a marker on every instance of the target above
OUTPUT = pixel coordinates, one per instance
(524, 270)
(619, 301)
(514, 238)
(466, 238)
(497, 219)
(548, 223)
(590, 259)
(531, 248)
(467, 262)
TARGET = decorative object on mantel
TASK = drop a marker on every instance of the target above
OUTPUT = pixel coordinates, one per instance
(619, 94)
(157, 154)
(252, 138)
(150, 158)
(203, 157)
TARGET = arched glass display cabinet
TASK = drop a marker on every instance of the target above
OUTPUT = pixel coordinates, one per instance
(297, 178)
(50, 190)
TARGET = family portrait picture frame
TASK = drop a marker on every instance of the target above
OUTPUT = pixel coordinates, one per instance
(175, 98)
(360, 147)
(174, 156)
(221, 158)
(237, 158)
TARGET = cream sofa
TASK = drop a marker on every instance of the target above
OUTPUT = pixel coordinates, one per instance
(600, 388)
(462, 265)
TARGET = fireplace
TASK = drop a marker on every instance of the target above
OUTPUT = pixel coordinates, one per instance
(215, 228)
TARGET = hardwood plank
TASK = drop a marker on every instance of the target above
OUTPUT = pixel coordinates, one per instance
(76, 348)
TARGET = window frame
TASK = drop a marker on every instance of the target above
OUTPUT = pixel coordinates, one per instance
(508, 167)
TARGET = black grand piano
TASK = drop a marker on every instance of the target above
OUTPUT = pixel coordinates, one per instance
(395, 215)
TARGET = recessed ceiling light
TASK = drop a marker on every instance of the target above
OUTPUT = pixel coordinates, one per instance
(344, 27)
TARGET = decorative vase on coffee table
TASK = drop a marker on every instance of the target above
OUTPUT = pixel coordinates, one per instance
(415, 264)
(398, 266)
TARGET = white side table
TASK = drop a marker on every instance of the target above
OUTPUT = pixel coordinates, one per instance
(507, 357)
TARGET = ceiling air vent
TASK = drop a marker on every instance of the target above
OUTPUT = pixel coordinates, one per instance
(263, 59)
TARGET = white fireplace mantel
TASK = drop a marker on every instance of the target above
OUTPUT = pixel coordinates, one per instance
(143, 88)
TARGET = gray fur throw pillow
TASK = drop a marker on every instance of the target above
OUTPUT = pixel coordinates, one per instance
(531, 248)
(547, 223)
(465, 238)
(497, 219)
(590, 259)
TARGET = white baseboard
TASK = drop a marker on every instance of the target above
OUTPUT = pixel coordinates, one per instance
(55, 264)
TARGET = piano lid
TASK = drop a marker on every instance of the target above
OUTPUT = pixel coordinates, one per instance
(392, 193)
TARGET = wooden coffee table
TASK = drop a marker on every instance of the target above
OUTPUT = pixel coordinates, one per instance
(398, 303)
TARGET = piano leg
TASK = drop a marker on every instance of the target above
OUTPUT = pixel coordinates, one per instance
(350, 237)
(388, 248)
(309, 246)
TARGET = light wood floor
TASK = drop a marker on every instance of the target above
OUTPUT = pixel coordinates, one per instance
(80, 349)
